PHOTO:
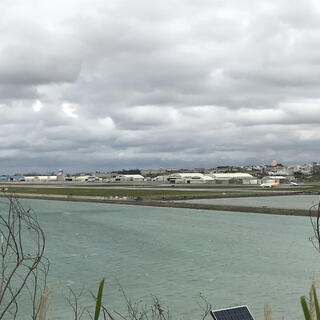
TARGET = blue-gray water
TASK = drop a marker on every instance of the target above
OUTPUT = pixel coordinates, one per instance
(287, 202)
(176, 254)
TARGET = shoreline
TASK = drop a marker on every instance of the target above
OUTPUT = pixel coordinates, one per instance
(167, 204)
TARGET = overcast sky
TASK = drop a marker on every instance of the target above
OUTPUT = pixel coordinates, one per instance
(103, 85)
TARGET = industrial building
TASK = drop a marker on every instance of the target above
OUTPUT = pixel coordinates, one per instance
(40, 178)
(86, 179)
(129, 178)
(189, 178)
(240, 177)
(272, 179)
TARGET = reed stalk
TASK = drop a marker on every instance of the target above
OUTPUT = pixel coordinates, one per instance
(99, 299)
(43, 303)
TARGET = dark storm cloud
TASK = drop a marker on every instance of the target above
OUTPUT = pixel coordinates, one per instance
(98, 85)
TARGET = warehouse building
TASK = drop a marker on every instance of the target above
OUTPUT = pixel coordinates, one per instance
(189, 178)
(273, 179)
(40, 178)
(129, 178)
(86, 179)
(236, 177)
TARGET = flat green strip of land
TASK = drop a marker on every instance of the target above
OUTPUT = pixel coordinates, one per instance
(130, 193)
(143, 194)
(173, 186)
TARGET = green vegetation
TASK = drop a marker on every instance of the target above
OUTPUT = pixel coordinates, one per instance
(165, 186)
(308, 310)
(99, 299)
(153, 192)
(130, 193)
(305, 308)
(309, 178)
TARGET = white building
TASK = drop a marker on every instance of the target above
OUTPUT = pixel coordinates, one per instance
(129, 178)
(189, 177)
(244, 178)
(273, 179)
(86, 179)
(40, 178)
(161, 178)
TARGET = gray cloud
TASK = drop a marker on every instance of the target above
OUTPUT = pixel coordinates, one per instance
(104, 85)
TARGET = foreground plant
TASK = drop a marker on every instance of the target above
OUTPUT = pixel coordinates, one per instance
(312, 308)
(98, 301)
(24, 268)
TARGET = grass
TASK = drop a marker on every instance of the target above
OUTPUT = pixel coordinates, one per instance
(90, 192)
(174, 186)
(146, 191)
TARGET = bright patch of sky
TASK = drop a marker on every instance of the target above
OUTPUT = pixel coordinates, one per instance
(37, 106)
(69, 110)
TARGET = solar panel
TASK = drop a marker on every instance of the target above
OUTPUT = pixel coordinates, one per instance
(236, 313)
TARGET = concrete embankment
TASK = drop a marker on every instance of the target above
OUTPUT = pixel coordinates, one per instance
(168, 204)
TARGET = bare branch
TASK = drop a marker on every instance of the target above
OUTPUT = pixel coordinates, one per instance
(205, 306)
(24, 268)
(314, 213)
(73, 300)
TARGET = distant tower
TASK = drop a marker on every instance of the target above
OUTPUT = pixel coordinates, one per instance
(60, 176)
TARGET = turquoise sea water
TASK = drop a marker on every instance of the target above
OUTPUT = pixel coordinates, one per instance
(287, 202)
(176, 254)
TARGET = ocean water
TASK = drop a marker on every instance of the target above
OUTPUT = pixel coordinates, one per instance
(176, 255)
(287, 202)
